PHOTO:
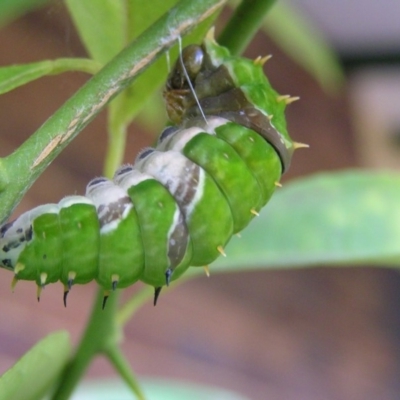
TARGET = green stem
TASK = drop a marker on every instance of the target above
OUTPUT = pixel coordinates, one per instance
(87, 65)
(122, 366)
(243, 25)
(133, 304)
(100, 332)
(4, 178)
(126, 312)
(35, 155)
(117, 131)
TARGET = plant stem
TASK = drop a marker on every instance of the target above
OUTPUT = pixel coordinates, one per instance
(122, 366)
(87, 65)
(127, 310)
(100, 332)
(133, 304)
(117, 131)
(243, 25)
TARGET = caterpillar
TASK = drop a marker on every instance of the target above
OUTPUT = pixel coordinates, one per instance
(180, 202)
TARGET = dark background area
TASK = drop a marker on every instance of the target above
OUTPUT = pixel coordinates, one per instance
(322, 333)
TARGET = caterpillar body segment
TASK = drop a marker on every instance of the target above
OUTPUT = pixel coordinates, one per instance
(259, 156)
(193, 189)
(79, 228)
(120, 259)
(179, 203)
(230, 173)
(164, 233)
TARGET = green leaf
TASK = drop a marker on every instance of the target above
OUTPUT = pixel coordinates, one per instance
(36, 372)
(141, 14)
(305, 44)
(17, 75)
(344, 218)
(154, 390)
(101, 26)
(11, 9)
(244, 24)
(152, 119)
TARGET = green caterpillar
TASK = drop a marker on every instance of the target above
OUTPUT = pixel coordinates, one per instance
(180, 202)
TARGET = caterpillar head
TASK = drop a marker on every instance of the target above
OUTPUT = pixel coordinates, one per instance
(15, 235)
(207, 80)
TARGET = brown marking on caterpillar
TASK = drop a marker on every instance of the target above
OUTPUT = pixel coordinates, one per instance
(113, 211)
(187, 187)
(178, 239)
(177, 173)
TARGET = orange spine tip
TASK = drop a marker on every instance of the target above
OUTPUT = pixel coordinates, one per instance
(18, 268)
(282, 97)
(221, 251)
(254, 212)
(287, 98)
(262, 60)
(211, 34)
(292, 99)
(14, 283)
(297, 145)
(43, 278)
(71, 275)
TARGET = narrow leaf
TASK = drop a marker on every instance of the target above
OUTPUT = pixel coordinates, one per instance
(302, 42)
(35, 373)
(101, 26)
(243, 24)
(17, 75)
(11, 9)
(344, 218)
(141, 14)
